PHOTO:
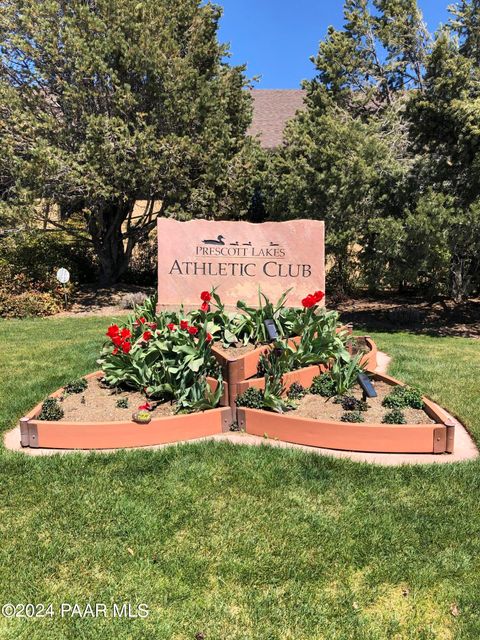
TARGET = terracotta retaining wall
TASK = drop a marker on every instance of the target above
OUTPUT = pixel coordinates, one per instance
(380, 438)
(113, 435)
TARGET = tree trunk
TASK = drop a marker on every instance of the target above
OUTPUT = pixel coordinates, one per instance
(105, 226)
(460, 279)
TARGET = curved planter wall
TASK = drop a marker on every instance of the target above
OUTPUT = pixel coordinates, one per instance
(239, 372)
(380, 438)
(113, 435)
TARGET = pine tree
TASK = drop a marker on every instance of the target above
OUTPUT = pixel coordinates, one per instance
(377, 55)
(465, 22)
(103, 102)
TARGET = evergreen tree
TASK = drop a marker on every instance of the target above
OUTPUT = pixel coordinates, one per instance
(103, 102)
(465, 22)
(377, 55)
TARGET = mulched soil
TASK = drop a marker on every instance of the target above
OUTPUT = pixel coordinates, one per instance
(387, 313)
(436, 318)
(235, 352)
(319, 408)
(98, 404)
(89, 300)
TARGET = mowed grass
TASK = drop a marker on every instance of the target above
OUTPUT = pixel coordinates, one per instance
(237, 542)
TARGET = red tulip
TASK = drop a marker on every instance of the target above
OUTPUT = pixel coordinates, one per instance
(309, 301)
(117, 340)
(112, 330)
(141, 320)
(319, 296)
(147, 335)
(192, 331)
(205, 307)
(145, 407)
(126, 346)
(152, 325)
(183, 324)
(126, 333)
(115, 351)
(208, 337)
(171, 326)
(205, 296)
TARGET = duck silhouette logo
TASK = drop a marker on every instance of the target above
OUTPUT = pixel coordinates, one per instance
(218, 241)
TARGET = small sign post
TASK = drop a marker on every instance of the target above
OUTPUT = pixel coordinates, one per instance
(63, 276)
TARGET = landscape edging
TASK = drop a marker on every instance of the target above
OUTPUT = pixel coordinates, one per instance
(375, 438)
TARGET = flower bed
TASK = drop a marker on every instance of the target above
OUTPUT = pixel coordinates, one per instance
(435, 435)
(241, 373)
(180, 371)
(75, 434)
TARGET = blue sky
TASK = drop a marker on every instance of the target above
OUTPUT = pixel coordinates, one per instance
(276, 38)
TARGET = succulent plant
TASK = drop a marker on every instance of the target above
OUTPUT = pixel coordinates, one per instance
(51, 410)
(403, 397)
(122, 403)
(350, 403)
(352, 416)
(396, 416)
(251, 398)
(323, 385)
(296, 391)
(76, 386)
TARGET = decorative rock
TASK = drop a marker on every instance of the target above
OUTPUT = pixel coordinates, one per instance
(142, 417)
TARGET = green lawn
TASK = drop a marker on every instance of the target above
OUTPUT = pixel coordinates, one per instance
(237, 542)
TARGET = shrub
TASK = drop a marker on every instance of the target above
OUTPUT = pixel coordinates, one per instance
(51, 410)
(323, 385)
(251, 398)
(396, 416)
(76, 386)
(122, 403)
(352, 416)
(27, 304)
(403, 397)
(296, 391)
(38, 254)
(28, 264)
(350, 403)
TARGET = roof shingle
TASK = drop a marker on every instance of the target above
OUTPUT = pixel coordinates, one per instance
(272, 108)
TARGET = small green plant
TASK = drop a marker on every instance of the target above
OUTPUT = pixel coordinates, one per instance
(271, 399)
(274, 363)
(352, 416)
(396, 416)
(350, 403)
(76, 386)
(344, 374)
(323, 385)
(251, 398)
(122, 403)
(403, 397)
(296, 391)
(51, 410)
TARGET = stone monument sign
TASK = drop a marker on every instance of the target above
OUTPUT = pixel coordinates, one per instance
(237, 258)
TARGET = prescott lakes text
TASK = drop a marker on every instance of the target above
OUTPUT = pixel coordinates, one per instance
(273, 268)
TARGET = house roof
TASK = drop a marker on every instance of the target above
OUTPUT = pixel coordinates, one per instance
(272, 108)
